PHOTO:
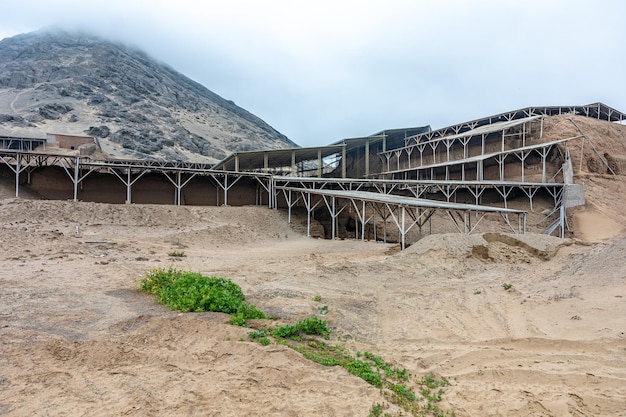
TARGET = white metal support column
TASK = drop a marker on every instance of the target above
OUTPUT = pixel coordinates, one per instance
(128, 181)
(178, 185)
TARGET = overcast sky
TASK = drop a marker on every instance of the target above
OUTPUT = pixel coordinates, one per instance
(326, 70)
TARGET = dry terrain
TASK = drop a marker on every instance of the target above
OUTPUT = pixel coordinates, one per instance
(77, 338)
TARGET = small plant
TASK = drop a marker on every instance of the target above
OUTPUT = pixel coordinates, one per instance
(376, 411)
(322, 310)
(264, 341)
(177, 254)
(507, 286)
(256, 334)
(477, 292)
(312, 326)
(317, 298)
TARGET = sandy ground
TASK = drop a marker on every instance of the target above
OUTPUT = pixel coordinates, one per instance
(77, 338)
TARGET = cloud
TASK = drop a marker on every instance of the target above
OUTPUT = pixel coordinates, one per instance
(322, 71)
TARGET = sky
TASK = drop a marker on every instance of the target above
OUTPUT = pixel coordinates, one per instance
(323, 71)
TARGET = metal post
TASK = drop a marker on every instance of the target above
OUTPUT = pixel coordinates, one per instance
(128, 195)
(403, 226)
(333, 219)
(17, 175)
(225, 189)
(178, 187)
(289, 209)
(308, 215)
(363, 223)
(76, 165)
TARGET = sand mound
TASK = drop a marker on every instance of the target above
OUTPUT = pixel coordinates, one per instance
(489, 247)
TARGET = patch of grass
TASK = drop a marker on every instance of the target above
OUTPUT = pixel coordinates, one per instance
(507, 286)
(177, 254)
(311, 326)
(376, 410)
(264, 341)
(191, 291)
(317, 298)
(322, 353)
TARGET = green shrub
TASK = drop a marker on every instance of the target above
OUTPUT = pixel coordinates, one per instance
(310, 326)
(286, 331)
(313, 326)
(191, 291)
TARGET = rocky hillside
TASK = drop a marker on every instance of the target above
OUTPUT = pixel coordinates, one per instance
(77, 84)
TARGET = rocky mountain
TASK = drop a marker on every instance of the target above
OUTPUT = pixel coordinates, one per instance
(57, 82)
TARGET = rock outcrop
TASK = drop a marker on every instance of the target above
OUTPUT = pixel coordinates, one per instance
(77, 84)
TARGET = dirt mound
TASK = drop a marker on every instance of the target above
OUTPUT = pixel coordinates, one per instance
(603, 151)
(489, 247)
(227, 225)
(187, 365)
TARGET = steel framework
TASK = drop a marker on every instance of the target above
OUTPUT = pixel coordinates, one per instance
(78, 168)
(406, 212)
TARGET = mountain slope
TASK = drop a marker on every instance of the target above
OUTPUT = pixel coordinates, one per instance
(76, 84)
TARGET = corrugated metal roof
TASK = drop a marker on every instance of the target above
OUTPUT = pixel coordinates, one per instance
(401, 201)
(276, 157)
(483, 157)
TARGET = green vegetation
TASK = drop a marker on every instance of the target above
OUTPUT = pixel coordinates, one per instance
(376, 411)
(507, 286)
(394, 383)
(177, 254)
(311, 326)
(317, 298)
(191, 291)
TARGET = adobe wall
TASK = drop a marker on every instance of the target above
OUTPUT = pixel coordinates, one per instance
(53, 183)
(72, 142)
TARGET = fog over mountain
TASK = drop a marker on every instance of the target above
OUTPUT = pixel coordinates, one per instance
(61, 82)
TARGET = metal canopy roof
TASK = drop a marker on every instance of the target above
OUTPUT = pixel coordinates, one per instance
(276, 157)
(391, 136)
(282, 157)
(495, 127)
(400, 200)
(484, 157)
(595, 110)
